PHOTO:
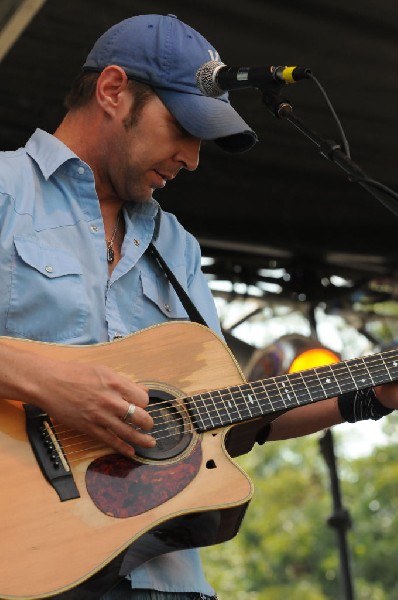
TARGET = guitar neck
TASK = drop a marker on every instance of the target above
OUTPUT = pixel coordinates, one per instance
(220, 408)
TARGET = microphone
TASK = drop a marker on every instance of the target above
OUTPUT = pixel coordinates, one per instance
(214, 78)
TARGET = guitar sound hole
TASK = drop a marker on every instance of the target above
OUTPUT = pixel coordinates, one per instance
(171, 427)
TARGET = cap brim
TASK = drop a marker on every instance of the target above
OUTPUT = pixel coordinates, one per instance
(209, 119)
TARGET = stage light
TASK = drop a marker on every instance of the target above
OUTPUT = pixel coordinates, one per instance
(315, 357)
(289, 354)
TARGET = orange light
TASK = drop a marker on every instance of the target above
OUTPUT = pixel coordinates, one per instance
(315, 357)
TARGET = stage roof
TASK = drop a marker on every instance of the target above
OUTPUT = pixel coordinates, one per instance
(282, 205)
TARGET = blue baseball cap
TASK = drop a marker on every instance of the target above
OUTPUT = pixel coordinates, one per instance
(165, 53)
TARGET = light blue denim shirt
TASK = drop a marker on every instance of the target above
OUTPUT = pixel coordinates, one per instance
(55, 284)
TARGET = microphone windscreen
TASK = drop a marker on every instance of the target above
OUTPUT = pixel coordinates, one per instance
(206, 78)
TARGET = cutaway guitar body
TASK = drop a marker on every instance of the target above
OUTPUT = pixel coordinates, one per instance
(70, 508)
(187, 492)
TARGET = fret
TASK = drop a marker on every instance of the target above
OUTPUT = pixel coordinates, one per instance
(384, 368)
(224, 405)
(387, 369)
(340, 391)
(217, 403)
(306, 386)
(195, 408)
(243, 404)
(328, 381)
(390, 364)
(360, 374)
(198, 407)
(232, 414)
(393, 366)
(280, 394)
(348, 385)
(246, 393)
(266, 397)
(297, 385)
(369, 373)
(321, 390)
(208, 400)
(253, 399)
(288, 394)
(235, 407)
(248, 401)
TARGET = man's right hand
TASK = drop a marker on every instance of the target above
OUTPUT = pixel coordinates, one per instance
(92, 399)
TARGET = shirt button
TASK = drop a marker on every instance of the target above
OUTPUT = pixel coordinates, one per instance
(49, 268)
(167, 307)
(93, 228)
(136, 242)
(81, 170)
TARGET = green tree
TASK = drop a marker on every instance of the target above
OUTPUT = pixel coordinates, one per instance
(285, 548)
(370, 485)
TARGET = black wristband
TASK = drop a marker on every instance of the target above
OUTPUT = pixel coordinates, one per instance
(360, 405)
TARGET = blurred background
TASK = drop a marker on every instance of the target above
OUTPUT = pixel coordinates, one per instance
(292, 249)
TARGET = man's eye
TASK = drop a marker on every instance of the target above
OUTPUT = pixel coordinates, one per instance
(181, 129)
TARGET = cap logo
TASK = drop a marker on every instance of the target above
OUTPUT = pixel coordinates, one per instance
(214, 55)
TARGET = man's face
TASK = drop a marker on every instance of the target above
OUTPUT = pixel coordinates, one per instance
(144, 156)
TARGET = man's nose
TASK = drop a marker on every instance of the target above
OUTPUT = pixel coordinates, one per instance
(188, 154)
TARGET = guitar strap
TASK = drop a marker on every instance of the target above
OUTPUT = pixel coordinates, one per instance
(185, 300)
(240, 439)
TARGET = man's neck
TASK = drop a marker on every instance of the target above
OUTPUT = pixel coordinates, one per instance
(77, 131)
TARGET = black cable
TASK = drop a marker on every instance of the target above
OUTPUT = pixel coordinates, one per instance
(344, 140)
(376, 184)
(357, 179)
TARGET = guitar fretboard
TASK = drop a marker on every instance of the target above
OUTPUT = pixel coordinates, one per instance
(236, 404)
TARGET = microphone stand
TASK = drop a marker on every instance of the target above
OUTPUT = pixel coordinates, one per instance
(282, 109)
(340, 520)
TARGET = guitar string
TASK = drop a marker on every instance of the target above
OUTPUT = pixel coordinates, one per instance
(272, 384)
(262, 389)
(216, 412)
(304, 379)
(261, 384)
(167, 428)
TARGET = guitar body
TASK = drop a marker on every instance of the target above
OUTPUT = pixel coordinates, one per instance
(189, 494)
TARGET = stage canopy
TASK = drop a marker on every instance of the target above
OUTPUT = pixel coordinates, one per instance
(282, 205)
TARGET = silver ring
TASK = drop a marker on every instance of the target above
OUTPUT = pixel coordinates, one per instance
(129, 414)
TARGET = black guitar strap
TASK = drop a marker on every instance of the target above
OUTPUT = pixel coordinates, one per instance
(185, 300)
(240, 439)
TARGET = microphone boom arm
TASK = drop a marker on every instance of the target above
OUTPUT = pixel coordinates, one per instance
(282, 109)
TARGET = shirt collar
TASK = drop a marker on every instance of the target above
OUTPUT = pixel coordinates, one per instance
(48, 152)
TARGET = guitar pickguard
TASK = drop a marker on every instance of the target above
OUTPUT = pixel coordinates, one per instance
(121, 487)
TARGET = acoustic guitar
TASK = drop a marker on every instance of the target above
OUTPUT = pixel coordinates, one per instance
(70, 507)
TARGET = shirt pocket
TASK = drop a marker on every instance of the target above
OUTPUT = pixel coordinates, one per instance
(161, 294)
(47, 299)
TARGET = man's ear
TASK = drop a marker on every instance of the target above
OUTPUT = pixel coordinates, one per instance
(112, 90)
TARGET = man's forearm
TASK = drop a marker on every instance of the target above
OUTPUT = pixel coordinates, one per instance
(91, 398)
(305, 420)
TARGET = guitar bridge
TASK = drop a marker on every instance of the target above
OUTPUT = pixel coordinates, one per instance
(49, 454)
